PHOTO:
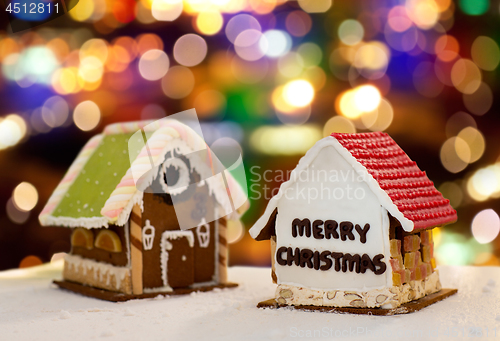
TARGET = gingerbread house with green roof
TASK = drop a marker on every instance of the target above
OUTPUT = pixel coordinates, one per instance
(126, 197)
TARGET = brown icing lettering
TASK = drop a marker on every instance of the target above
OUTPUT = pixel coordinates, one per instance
(316, 260)
(301, 226)
(306, 258)
(377, 262)
(331, 229)
(337, 256)
(328, 229)
(362, 232)
(346, 230)
(324, 258)
(316, 230)
(366, 263)
(280, 260)
(293, 258)
(351, 262)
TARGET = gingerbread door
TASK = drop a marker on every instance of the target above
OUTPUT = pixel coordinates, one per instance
(177, 258)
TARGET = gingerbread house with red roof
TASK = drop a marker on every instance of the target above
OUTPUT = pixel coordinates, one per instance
(353, 226)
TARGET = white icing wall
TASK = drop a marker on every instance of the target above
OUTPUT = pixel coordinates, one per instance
(295, 204)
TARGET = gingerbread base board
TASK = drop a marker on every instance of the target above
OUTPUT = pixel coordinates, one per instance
(406, 308)
(121, 297)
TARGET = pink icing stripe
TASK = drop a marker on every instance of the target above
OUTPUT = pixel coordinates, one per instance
(153, 151)
(48, 208)
(125, 183)
(113, 213)
(91, 144)
(68, 178)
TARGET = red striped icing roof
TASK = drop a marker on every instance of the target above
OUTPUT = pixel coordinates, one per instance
(408, 187)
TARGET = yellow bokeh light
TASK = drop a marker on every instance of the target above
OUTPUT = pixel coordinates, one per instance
(374, 56)
(466, 76)
(424, 13)
(479, 102)
(486, 181)
(95, 47)
(209, 22)
(462, 149)
(166, 10)
(450, 158)
(279, 102)
(21, 123)
(475, 141)
(285, 140)
(315, 6)
(83, 10)
(25, 196)
(366, 98)
(87, 115)
(338, 124)
(347, 106)
(66, 81)
(178, 82)
(298, 93)
(485, 53)
(12, 130)
(379, 119)
(91, 69)
(473, 192)
(235, 231)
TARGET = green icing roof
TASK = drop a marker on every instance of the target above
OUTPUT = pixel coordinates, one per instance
(99, 177)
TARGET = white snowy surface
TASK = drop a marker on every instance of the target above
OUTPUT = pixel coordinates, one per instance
(31, 308)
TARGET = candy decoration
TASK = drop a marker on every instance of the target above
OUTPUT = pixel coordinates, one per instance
(109, 241)
(82, 238)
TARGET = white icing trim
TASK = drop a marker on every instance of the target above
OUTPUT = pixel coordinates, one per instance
(104, 269)
(148, 238)
(203, 237)
(88, 223)
(304, 163)
(183, 182)
(176, 234)
(159, 289)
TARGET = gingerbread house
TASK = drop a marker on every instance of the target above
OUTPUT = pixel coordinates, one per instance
(353, 226)
(125, 197)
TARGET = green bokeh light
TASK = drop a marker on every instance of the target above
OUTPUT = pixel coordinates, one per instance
(474, 7)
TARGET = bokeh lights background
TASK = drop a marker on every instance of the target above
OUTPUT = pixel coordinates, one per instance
(273, 76)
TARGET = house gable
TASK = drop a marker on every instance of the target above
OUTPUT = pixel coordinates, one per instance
(360, 171)
(319, 214)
